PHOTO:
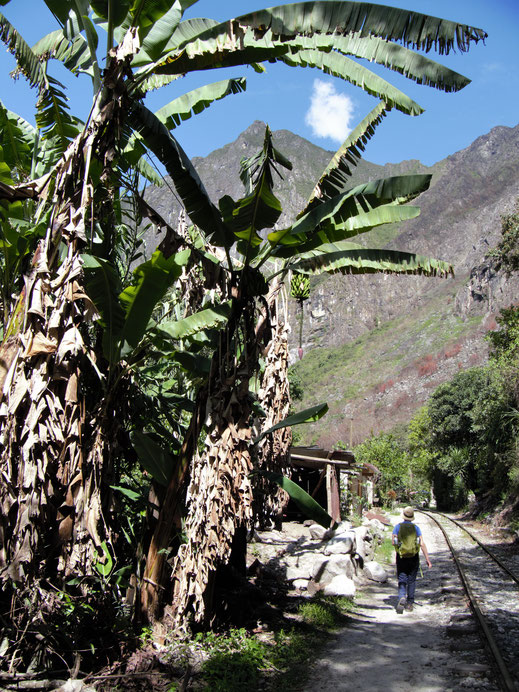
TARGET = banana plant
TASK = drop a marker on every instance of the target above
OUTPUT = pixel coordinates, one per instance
(82, 325)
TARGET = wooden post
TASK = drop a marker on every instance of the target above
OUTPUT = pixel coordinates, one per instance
(332, 493)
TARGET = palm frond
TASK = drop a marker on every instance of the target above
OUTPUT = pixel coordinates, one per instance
(415, 66)
(198, 205)
(196, 101)
(337, 173)
(27, 62)
(368, 261)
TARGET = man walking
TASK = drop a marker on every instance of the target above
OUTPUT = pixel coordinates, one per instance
(407, 539)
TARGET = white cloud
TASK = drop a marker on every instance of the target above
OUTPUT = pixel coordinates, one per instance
(330, 113)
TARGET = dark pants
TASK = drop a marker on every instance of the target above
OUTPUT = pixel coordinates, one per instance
(407, 569)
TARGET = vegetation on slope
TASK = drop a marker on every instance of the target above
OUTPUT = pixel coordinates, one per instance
(417, 342)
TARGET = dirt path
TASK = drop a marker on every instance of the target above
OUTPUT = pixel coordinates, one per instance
(382, 650)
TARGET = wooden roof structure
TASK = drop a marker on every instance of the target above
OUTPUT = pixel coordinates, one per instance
(331, 463)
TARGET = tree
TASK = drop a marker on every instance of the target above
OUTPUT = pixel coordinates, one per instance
(474, 429)
(392, 461)
(80, 328)
(507, 251)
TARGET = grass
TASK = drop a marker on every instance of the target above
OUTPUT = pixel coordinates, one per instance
(275, 660)
(384, 552)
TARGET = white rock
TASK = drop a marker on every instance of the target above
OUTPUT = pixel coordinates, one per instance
(332, 567)
(343, 543)
(361, 548)
(343, 527)
(317, 532)
(301, 565)
(293, 572)
(306, 559)
(319, 565)
(300, 583)
(340, 586)
(377, 525)
(362, 532)
(74, 686)
(374, 571)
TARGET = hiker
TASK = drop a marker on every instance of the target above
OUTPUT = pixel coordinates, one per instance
(407, 539)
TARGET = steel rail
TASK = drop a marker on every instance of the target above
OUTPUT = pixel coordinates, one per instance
(482, 545)
(506, 678)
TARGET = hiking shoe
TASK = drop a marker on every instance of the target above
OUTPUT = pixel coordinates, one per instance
(400, 605)
(409, 606)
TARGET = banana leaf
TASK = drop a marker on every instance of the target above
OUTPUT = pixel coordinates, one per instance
(369, 261)
(152, 457)
(194, 102)
(309, 415)
(215, 316)
(415, 66)
(153, 278)
(306, 503)
(240, 41)
(17, 138)
(333, 231)
(339, 65)
(75, 54)
(362, 198)
(337, 173)
(156, 24)
(193, 363)
(102, 286)
(186, 180)
(118, 10)
(185, 32)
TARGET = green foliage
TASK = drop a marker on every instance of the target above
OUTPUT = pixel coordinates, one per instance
(452, 405)
(325, 612)
(235, 662)
(465, 439)
(385, 452)
(505, 340)
(507, 251)
(296, 385)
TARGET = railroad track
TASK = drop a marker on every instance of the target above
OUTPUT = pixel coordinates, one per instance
(492, 590)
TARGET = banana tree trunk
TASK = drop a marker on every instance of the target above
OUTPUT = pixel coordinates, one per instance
(273, 451)
(56, 429)
(219, 497)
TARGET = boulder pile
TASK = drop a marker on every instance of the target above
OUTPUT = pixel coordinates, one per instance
(311, 558)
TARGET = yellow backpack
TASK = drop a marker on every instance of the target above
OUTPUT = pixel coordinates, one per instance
(408, 541)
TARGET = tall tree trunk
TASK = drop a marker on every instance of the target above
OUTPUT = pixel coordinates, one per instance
(219, 498)
(56, 431)
(273, 451)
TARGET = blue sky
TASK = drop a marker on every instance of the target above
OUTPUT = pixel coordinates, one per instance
(283, 97)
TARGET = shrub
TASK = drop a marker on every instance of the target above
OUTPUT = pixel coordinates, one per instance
(452, 351)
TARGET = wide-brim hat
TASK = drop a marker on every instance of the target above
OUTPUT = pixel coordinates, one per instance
(409, 513)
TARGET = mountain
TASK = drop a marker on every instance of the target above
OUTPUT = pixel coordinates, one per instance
(377, 346)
